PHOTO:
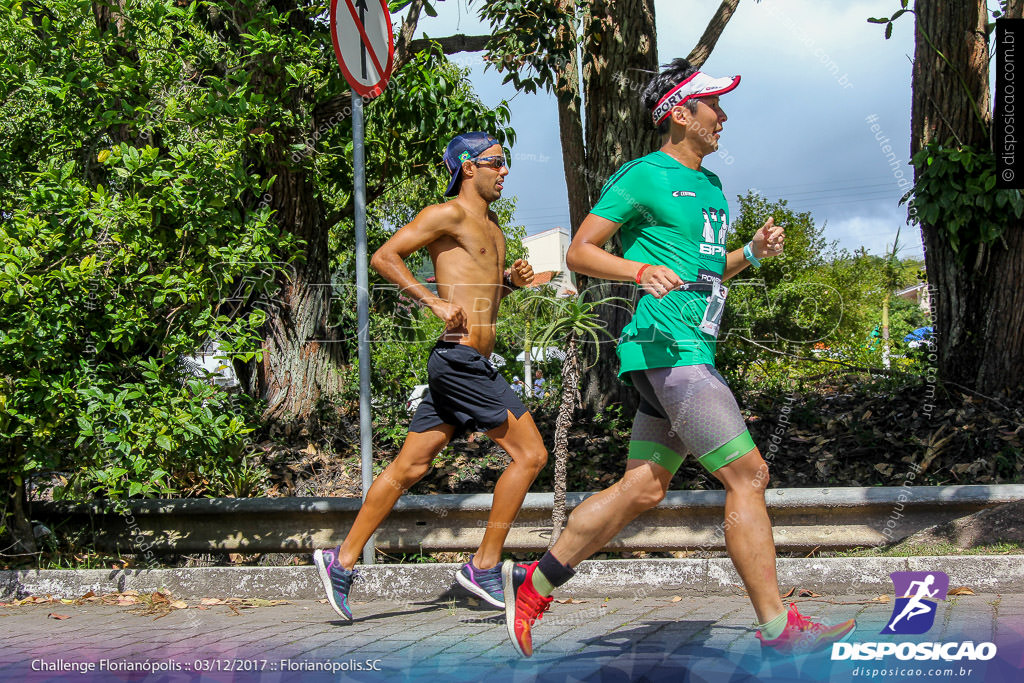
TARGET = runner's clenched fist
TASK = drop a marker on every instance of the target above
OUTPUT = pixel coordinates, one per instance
(769, 240)
(521, 273)
(659, 280)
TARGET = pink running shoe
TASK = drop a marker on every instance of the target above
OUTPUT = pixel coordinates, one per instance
(802, 635)
(523, 604)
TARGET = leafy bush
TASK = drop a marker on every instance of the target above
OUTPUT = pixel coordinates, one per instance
(103, 290)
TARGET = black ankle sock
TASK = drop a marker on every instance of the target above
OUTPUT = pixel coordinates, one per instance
(554, 571)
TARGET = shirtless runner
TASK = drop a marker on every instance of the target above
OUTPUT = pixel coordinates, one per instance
(465, 392)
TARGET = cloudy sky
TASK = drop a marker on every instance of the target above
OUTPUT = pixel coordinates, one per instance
(813, 71)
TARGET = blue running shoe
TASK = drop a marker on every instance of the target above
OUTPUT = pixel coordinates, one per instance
(336, 579)
(484, 583)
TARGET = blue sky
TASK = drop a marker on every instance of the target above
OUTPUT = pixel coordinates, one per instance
(813, 72)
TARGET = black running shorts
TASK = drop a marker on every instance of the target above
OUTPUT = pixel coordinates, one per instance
(465, 390)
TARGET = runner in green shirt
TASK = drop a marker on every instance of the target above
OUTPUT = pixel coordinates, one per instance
(673, 219)
(676, 217)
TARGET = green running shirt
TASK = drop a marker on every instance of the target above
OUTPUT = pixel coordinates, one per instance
(671, 216)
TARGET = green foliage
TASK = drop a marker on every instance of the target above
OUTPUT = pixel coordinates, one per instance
(572, 317)
(813, 302)
(403, 340)
(787, 300)
(955, 193)
(103, 291)
(131, 221)
(532, 40)
(136, 176)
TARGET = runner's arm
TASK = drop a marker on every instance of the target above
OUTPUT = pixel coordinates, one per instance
(587, 256)
(768, 241)
(519, 275)
(735, 262)
(430, 224)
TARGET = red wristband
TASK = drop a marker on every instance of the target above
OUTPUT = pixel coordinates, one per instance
(641, 271)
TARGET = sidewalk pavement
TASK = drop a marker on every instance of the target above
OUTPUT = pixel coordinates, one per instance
(603, 578)
(456, 640)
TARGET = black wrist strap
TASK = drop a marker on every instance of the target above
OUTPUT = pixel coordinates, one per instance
(695, 286)
(507, 281)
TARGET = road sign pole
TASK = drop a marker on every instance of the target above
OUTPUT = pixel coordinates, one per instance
(362, 31)
(362, 308)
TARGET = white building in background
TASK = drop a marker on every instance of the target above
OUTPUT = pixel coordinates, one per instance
(216, 363)
(546, 253)
(920, 294)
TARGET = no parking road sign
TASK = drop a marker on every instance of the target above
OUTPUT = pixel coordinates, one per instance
(363, 43)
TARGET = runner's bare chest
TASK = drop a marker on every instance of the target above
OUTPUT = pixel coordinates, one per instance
(479, 245)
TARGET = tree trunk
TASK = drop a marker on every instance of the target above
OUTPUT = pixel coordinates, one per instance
(570, 126)
(977, 305)
(699, 54)
(570, 399)
(16, 537)
(300, 365)
(405, 34)
(620, 56)
(301, 359)
(942, 108)
(109, 16)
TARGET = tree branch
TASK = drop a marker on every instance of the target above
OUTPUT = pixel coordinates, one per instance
(349, 210)
(402, 51)
(109, 15)
(712, 33)
(880, 371)
(449, 45)
(452, 44)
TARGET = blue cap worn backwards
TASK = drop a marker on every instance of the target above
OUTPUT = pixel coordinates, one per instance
(463, 148)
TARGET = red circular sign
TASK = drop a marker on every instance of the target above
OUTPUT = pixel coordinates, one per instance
(363, 43)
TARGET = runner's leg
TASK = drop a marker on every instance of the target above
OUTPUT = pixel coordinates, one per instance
(748, 532)
(523, 443)
(655, 453)
(526, 588)
(412, 463)
(597, 519)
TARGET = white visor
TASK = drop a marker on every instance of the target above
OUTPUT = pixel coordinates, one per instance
(697, 85)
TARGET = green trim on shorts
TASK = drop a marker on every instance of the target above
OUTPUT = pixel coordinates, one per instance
(726, 453)
(659, 454)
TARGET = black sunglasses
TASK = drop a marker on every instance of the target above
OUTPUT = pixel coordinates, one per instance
(495, 162)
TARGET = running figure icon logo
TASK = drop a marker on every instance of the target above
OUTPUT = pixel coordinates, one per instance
(914, 612)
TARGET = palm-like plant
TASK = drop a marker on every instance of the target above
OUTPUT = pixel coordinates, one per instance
(572, 319)
(891, 275)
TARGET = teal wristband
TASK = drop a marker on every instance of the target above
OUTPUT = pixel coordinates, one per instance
(748, 252)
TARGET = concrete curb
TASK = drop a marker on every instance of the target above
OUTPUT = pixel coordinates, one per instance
(594, 578)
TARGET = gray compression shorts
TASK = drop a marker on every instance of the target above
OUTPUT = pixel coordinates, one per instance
(687, 409)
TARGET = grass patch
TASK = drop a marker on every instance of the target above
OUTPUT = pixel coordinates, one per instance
(929, 549)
